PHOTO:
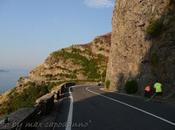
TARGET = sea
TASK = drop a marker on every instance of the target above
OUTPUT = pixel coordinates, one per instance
(9, 78)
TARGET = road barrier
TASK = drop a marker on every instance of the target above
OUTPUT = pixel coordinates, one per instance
(65, 89)
(45, 103)
(19, 119)
(22, 118)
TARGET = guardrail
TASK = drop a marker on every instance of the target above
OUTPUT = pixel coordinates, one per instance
(45, 103)
(21, 119)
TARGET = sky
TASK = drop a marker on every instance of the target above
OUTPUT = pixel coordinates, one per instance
(31, 29)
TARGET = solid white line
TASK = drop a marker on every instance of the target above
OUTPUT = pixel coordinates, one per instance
(1, 121)
(69, 119)
(133, 107)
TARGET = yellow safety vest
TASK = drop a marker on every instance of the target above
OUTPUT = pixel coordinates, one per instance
(158, 87)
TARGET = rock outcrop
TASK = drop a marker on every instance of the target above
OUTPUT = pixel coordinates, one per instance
(78, 63)
(143, 43)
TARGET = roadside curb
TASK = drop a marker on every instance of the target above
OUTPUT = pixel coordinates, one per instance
(135, 96)
(102, 89)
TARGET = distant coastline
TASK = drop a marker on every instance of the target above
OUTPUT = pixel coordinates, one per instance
(2, 70)
(8, 78)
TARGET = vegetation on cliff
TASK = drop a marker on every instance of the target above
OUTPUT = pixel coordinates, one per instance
(88, 66)
(24, 98)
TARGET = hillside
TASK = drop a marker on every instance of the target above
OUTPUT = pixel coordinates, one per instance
(143, 44)
(78, 63)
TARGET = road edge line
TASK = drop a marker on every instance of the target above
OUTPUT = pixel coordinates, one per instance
(70, 114)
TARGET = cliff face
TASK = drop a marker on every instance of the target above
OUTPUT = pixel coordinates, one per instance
(143, 43)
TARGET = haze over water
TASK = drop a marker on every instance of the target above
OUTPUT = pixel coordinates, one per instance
(8, 79)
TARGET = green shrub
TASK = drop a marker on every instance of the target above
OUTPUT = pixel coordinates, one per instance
(26, 98)
(50, 86)
(107, 84)
(101, 49)
(131, 86)
(103, 76)
(155, 28)
(89, 65)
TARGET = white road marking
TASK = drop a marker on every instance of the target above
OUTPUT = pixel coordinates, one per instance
(133, 107)
(70, 114)
(1, 121)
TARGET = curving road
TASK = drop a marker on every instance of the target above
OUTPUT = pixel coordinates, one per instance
(89, 108)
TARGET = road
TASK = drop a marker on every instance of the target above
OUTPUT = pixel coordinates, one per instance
(90, 108)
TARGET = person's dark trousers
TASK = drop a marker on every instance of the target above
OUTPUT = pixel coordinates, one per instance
(147, 94)
(159, 94)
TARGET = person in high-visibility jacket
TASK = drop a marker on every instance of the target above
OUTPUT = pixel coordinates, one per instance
(158, 88)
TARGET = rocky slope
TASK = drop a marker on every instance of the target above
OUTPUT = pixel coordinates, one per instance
(143, 43)
(78, 63)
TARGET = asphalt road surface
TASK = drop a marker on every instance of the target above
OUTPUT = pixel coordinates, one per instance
(89, 108)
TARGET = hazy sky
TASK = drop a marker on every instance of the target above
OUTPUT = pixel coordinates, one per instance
(31, 29)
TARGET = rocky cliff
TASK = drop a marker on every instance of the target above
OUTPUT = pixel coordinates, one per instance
(78, 63)
(143, 43)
